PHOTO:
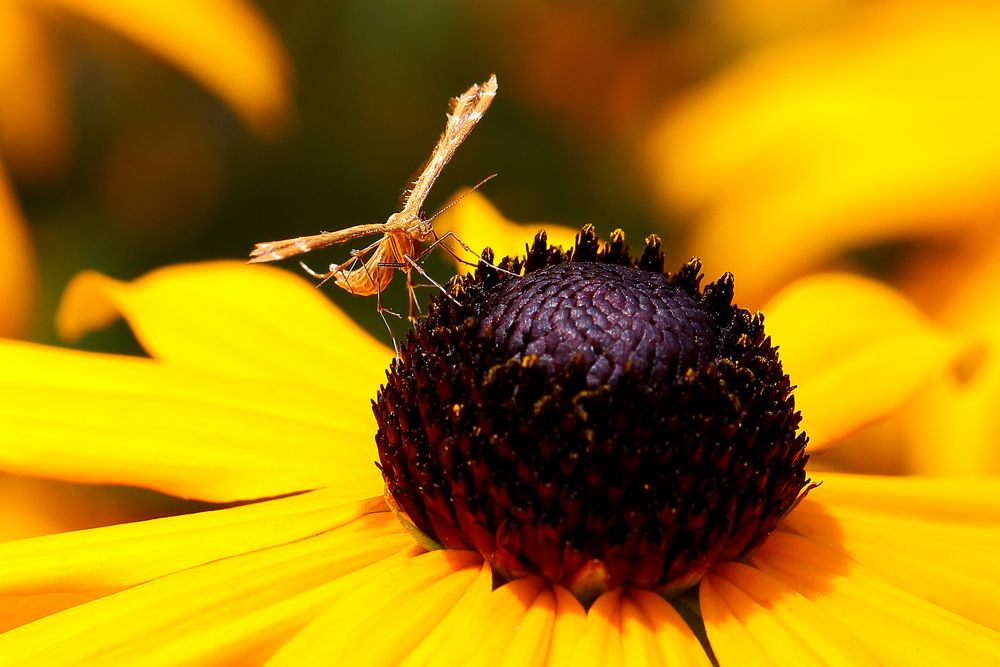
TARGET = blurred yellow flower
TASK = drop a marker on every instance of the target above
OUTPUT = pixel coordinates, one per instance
(258, 387)
(881, 127)
(478, 224)
(224, 44)
(957, 287)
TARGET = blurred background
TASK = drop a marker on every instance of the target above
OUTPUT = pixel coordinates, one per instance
(775, 139)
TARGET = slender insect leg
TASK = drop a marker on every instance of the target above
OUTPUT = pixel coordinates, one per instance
(420, 270)
(413, 303)
(381, 313)
(324, 277)
(439, 240)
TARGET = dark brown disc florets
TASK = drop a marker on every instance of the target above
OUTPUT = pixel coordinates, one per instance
(595, 420)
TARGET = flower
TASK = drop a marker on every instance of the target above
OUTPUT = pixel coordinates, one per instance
(878, 127)
(248, 70)
(259, 388)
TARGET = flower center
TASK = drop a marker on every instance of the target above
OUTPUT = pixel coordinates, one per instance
(595, 421)
(615, 317)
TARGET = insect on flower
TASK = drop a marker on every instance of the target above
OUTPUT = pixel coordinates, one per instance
(370, 269)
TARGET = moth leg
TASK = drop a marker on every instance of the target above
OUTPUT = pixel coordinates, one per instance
(324, 277)
(413, 302)
(412, 262)
(381, 313)
(439, 241)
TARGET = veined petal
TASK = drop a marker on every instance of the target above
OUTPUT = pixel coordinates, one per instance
(908, 531)
(602, 645)
(649, 616)
(569, 629)
(399, 608)
(805, 148)
(235, 319)
(34, 128)
(478, 223)
(439, 644)
(510, 625)
(530, 644)
(755, 620)
(111, 629)
(489, 635)
(254, 637)
(123, 555)
(126, 420)
(856, 349)
(17, 270)
(798, 592)
(248, 67)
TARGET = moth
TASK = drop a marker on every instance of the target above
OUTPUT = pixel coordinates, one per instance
(370, 269)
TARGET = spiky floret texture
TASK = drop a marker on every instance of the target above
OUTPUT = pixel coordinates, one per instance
(595, 420)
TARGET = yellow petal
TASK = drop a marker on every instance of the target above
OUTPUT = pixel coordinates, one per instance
(935, 538)
(569, 629)
(17, 270)
(494, 635)
(478, 224)
(225, 44)
(805, 148)
(389, 614)
(856, 349)
(123, 555)
(661, 626)
(117, 629)
(125, 420)
(231, 318)
(530, 644)
(798, 592)
(755, 619)
(602, 643)
(34, 128)
(439, 646)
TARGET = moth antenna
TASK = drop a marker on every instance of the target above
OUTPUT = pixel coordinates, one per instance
(462, 196)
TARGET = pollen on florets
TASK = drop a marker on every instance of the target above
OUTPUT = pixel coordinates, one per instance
(591, 419)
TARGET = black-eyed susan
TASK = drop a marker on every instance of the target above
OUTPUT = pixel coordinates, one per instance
(259, 388)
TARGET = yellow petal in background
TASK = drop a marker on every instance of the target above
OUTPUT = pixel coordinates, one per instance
(244, 321)
(856, 349)
(125, 420)
(18, 279)
(227, 45)
(955, 427)
(34, 126)
(479, 224)
(881, 128)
